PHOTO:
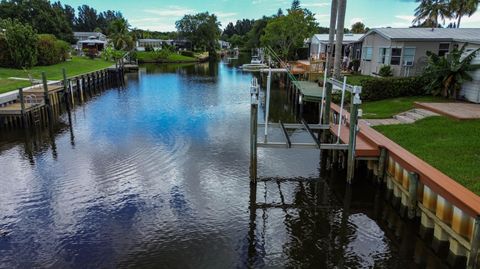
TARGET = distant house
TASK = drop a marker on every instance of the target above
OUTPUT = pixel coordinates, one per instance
(155, 44)
(182, 44)
(90, 41)
(352, 46)
(404, 49)
(223, 44)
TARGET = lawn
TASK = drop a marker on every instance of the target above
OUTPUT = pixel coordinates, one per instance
(77, 66)
(449, 145)
(387, 108)
(150, 56)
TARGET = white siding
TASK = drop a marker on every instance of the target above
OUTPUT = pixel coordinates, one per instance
(471, 89)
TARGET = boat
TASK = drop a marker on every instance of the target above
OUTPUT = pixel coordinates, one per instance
(255, 64)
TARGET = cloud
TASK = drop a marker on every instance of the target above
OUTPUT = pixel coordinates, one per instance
(355, 20)
(171, 11)
(310, 5)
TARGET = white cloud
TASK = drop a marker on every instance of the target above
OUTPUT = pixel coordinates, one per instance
(170, 11)
(355, 20)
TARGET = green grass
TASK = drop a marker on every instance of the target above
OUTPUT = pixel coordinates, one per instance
(355, 79)
(150, 56)
(387, 108)
(448, 145)
(77, 66)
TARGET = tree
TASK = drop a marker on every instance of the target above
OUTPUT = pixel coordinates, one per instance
(279, 12)
(202, 29)
(461, 8)
(229, 30)
(258, 30)
(295, 5)
(120, 36)
(287, 33)
(19, 42)
(447, 73)
(428, 12)
(87, 18)
(358, 28)
(44, 17)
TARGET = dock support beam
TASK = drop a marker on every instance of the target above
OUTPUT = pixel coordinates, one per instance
(253, 130)
(65, 89)
(474, 259)
(412, 195)
(356, 102)
(47, 98)
(22, 106)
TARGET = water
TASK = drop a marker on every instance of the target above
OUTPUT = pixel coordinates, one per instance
(156, 176)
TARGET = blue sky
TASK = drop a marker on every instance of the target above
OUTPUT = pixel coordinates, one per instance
(160, 15)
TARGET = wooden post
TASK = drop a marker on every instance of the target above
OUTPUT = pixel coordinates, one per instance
(47, 97)
(65, 89)
(253, 130)
(473, 260)
(412, 194)
(22, 105)
(381, 164)
(356, 102)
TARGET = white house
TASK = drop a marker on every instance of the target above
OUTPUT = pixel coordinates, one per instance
(85, 39)
(155, 44)
(351, 45)
(404, 49)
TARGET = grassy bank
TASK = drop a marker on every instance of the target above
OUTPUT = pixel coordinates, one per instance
(159, 57)
(76, 66)
(388, 108)
(449, 145)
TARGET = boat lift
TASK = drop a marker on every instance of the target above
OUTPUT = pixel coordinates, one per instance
(316, 143)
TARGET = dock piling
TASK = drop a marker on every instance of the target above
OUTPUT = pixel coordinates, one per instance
(474, 259)
(412, 194)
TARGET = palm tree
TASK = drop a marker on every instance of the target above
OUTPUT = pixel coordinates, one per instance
(119, 34)
(461, 8)
(447, 74)
(342, 7)
(429, 11)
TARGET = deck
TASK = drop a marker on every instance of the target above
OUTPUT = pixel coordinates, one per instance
(16, 108)
(310, 90)
(459, 111)
(39, 89)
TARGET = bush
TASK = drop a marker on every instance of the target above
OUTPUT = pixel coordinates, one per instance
(187, 53)
(354, 65)
(383, 88)
(149, 48)
(18, 44)
(162, 54)
(51, 51)
(386, 71)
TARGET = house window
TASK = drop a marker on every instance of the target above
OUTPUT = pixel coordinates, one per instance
(367, 53)
(408, 56)
(443, 49)
(396, 56)
(384, 55)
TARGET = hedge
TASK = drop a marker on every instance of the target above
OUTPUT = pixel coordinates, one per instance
(383, 88)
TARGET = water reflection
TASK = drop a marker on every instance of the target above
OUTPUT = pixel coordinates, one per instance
(155, 175)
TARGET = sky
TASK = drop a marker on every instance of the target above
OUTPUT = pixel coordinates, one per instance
(160, 15)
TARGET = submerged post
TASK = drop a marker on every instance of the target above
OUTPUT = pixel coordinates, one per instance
(253, 129)
(356, 102)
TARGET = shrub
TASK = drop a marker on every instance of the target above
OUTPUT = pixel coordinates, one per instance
(18, 48)
(354, 65)
(187, 53)
(51, 50)
(386, 71)
(384, 88)
(162, 54)
(149, 48)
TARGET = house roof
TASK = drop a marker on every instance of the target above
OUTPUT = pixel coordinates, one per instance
(92, 41)
(87, 34)
(154, 40)
(427, 34)
(347, 38)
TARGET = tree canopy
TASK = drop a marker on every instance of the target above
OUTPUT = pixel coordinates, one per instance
(286, 33)
(18, 44)
(358, 28)
(202, 29)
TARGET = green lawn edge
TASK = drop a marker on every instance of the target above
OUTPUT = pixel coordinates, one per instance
(76, 66)
(449, 145)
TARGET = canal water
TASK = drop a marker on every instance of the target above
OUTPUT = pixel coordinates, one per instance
(155, 175)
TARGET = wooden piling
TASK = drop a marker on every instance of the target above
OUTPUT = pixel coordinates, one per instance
(22, 107)
(412, 194)
(253, 140)
(47, 98)
(65, 89)
(474, 259)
